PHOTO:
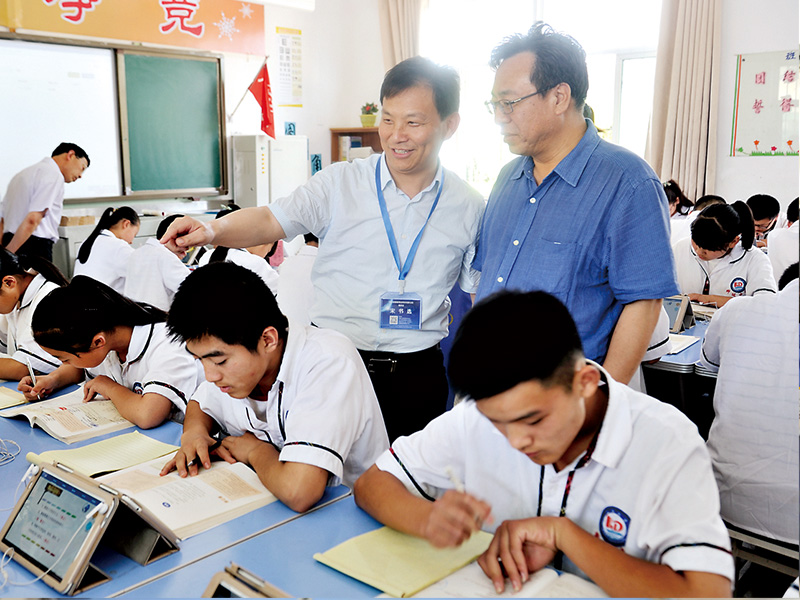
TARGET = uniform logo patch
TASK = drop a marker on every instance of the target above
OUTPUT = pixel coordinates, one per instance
(738, 285)
(138, 388)
(614, 525)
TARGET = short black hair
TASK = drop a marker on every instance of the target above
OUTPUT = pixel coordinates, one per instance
(676, 196)
(707, 200)
(443, 81)
(764, 206)
(559, 59)
(792, 212)
(791, 273)
(226, 301)
(512, 337)
(65, 147)
(164, 225)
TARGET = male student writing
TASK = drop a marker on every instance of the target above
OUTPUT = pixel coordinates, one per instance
(295, 402)
(546, 434)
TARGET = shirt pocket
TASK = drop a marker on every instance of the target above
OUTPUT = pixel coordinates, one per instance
(552, 267)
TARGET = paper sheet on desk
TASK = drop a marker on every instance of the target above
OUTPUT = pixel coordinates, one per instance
(10, 398)
(680, 342)
(400, 564)
(471, 582)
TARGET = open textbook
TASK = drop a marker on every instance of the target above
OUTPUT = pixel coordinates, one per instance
(471, 582)
(399, 564)
(191, 505)
(106, 456)
(69, 419)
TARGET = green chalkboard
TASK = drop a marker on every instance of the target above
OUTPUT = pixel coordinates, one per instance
(174, 129)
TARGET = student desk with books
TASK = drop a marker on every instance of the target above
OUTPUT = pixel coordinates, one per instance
(283, 556)
(125, 573)
(679, 380)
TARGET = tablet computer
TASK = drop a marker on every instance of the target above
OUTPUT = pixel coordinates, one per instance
(679, 310)
(237, 582)
(62, 516)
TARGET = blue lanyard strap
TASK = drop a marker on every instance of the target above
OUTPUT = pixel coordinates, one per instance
(387, 223)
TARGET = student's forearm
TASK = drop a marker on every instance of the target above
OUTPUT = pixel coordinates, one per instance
(384, 497)
(145, 411)
(11, 369)
(630, 338)
(620, 574)
(247, 227)
(299, 486)
(712, 299)
(196, 422)
(66, 375)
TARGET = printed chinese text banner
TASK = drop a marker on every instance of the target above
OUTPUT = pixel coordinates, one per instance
(213, 25)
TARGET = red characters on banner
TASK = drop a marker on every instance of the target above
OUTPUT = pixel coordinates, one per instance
(758, 106)
(260, 88)
(78, 6)
(180, 12)
(761, 78)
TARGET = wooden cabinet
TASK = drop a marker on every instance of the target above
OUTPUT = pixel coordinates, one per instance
(369, 137)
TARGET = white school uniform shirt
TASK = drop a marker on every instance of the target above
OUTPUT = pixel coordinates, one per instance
(154, 274)
(680, 226)
(658, 346)
(295, 289)
(784, 248)
(248, 260)
(107, 262)
(154, 364)
(753, 440)
(739, 273)
(21, 345)
(320, 411)
(39, 187)
(648, 487)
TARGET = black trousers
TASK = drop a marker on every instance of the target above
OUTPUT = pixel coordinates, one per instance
(33, 246)
(411, 387)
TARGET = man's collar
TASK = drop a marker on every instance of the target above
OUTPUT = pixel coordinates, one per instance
(386, 175)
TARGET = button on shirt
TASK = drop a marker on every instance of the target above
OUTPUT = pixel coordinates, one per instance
(355, 266)
(594, 233)
(39, 187)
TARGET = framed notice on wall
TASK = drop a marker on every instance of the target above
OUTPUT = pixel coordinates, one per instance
(766, 114)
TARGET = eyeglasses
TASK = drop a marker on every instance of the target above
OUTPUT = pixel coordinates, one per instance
(507, 106)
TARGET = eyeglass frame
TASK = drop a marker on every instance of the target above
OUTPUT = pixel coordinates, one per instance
(508, 105)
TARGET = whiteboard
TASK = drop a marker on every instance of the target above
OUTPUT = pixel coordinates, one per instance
(56, 93)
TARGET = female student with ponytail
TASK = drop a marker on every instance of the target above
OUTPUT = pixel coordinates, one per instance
(719, 261)
(121, 346)
(104, 254)
(24, 281)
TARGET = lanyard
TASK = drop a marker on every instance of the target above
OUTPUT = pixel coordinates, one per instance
(387, 223)
(581, 463)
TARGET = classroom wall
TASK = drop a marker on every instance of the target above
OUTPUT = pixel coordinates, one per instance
(749, 27)
(342, 70)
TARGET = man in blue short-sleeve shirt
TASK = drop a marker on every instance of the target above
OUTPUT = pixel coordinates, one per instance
(574, 215)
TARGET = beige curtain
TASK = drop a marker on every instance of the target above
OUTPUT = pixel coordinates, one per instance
(399, 29)
(682, 143)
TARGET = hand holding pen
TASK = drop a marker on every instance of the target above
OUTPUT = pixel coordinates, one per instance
(33, 376)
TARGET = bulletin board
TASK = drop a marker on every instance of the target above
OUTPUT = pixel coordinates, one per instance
(766, 115)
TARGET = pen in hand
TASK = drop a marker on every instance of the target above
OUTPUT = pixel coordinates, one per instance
(211, 448)
(33, 377)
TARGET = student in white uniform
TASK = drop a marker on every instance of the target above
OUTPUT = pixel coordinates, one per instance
(658, 346)
(296, 402)
(24, 281)
(243, 257)
(563, 463)
(680, 210)
(719, 262)
(752, 344)
(295, 288)
(104, 254)
(784, 243)
(121, 346)
(154, 272)
(766, 209)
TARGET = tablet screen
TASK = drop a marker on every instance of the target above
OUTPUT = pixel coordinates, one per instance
(52, 513)
(673, 307)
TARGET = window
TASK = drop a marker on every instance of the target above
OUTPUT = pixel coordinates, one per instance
(619, 36)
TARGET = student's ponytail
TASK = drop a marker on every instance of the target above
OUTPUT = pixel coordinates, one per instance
(68, 318)
(220, 254)
(108, 219)
(719, 224)
(14, 265)
(747, 228)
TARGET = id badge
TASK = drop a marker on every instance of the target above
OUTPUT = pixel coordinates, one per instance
(400, 311)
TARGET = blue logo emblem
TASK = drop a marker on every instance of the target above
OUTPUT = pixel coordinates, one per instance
(738, 285)
(614, 524)
(138, 388)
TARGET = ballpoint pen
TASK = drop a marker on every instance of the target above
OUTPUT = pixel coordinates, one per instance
(33, 377)
(211, 448)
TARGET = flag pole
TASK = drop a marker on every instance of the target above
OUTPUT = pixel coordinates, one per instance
(261, 66)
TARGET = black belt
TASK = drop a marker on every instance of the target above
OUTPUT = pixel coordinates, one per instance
(387, 362)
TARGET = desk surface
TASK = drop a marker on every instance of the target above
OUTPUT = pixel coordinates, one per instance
(126, 573)
(283, 556)
(685, 360)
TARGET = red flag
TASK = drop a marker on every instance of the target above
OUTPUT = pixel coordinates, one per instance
(261, 90)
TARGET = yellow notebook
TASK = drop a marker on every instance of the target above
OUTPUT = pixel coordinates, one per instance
(400, 564)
